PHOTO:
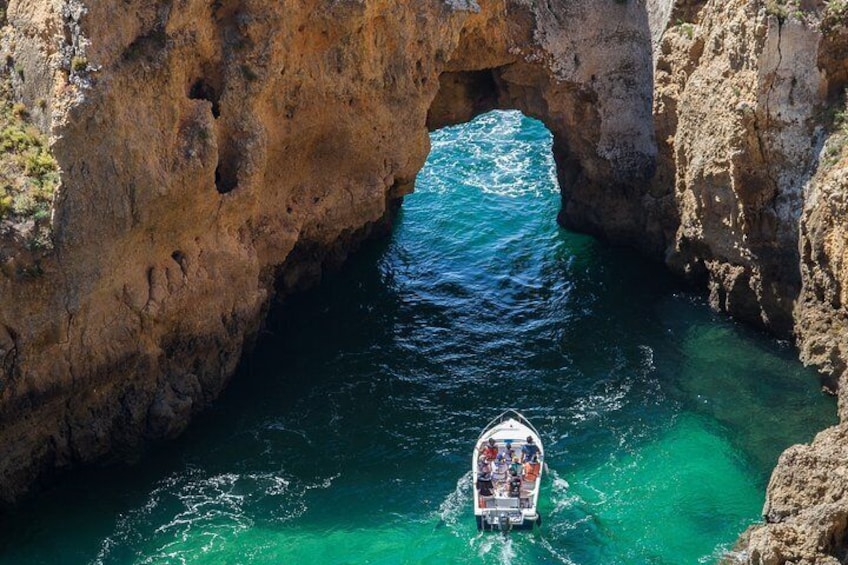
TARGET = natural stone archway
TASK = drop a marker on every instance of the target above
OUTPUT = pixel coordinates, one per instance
(595, 100)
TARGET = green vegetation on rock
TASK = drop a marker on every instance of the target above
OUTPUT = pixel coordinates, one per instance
(29, 173)
(835, 15)
(837, 120)
(784, 9)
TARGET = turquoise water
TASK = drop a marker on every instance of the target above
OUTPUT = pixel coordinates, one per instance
(346, 437)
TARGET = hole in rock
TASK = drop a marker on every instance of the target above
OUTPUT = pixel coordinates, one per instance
(225, 178)
(202, 90)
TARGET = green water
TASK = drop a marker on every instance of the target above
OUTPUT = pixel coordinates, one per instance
(346, 437)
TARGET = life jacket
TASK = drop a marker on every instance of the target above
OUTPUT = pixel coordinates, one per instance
(531, 471)
(490, 451)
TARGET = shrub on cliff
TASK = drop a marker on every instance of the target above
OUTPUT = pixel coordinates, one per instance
(836, 122)
(835, 16)
(29, 174)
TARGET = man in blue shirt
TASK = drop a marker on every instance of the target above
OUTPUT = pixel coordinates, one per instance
(529, 450)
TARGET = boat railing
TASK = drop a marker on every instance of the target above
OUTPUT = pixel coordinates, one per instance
(506, 413)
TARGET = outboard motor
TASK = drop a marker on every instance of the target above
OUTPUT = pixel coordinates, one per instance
(504, 524)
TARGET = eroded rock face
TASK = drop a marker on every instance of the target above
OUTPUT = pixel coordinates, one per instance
(216, 153)
(744, 109)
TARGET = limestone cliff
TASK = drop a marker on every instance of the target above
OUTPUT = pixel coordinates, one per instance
(214, 154)
(750, 112)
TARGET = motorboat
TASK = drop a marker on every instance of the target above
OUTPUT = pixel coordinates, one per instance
(507, 465)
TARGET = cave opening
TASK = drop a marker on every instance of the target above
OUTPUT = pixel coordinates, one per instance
(202, 89)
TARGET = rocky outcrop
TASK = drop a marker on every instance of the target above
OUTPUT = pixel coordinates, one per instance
(749, 113)
(216, 154)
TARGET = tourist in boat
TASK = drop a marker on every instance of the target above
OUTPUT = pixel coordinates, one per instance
(501, 469)
(490, 451)
(529, 450)
(510, 453)
(531, 470)
(483, 466)
(515, 467)
(484, 484)
(514, 484)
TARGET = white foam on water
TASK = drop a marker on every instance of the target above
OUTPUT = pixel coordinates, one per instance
(561, 495)
(457, 503)
(282, 427)
(555, 553)
(507, 551)
(205, 513)
(494, 546)
(648, 365)
(499, 161)
(593, 406)
(724, 553)
(324, 484)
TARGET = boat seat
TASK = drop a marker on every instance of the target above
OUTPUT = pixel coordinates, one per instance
(499, 502)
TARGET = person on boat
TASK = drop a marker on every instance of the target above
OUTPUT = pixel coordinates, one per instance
(501, 469)
(484, 484)
(483, 465)
(490, 450)
(529, 450)
(510, 453)
(515, 467)
(514, 484)
(531, 470)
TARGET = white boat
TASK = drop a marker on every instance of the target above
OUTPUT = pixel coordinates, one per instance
(507, 504)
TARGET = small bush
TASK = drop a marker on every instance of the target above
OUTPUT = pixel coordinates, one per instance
(835, 15)
(19, 111)
(779, 9)
(836, 120)
(79, 64)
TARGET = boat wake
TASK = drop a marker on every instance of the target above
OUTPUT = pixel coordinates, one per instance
(453, 508)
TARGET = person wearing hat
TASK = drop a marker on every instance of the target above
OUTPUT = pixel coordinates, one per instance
(510, 453)
(529, 450)
(483, 465)
(515, 467)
